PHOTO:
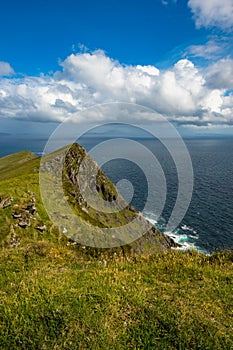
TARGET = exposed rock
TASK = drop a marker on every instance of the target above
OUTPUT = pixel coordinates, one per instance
(31, 208)
(72, 242)
(5, 202)
(33, 198)
(131, 208)
(85, 210)
(41, 228)
(13, 240)
(24, 223)
(16, 215)
(25, 215)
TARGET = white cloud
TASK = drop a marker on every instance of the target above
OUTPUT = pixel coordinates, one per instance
(183, 93)
(220, 74)
(150, 70)
(212, 13)
(209, 50)
(189, 77)
(5, 69)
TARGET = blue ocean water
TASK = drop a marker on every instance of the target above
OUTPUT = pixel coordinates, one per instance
(208, 223)
(10, 144)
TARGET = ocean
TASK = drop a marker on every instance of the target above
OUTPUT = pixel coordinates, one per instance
(208, 223)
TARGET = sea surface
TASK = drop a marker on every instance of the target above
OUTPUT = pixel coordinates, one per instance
(208, 223)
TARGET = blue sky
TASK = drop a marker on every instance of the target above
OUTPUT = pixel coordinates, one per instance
(37, 33)
(60, 57)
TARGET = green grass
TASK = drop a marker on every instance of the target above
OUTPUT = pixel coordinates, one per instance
(55, 295)
(56, 298)
(16, 164)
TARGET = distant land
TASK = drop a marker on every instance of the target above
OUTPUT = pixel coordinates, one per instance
(10, 143)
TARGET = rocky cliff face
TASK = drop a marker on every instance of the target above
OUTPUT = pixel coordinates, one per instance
(76, 161)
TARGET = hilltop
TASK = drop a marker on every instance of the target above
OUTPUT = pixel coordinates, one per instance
(58, 294)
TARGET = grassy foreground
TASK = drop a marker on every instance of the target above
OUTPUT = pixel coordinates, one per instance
(55, 295)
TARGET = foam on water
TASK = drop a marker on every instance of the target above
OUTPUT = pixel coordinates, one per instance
(183, 235)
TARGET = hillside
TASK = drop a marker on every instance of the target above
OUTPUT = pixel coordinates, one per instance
(57, 294)
(20, 187)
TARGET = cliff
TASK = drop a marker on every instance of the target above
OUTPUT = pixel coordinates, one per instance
(119, 225)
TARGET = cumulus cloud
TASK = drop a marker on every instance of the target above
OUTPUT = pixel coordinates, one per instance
(183, 93)
(212, 13)
(5, 69)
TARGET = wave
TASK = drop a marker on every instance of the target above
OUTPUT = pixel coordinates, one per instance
(184, 235)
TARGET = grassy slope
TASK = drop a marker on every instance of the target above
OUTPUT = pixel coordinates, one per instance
(57, 296)
(10, 165)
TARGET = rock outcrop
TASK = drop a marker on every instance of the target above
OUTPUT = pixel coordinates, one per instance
(79, 167)
(26, 214)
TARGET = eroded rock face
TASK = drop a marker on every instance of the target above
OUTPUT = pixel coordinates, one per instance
(153, 239)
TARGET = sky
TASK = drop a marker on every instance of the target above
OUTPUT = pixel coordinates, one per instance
(58, 58)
